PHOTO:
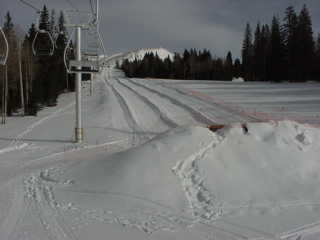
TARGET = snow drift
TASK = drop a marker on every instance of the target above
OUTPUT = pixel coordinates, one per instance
(238, 80)
(145, 171)
(262, 178)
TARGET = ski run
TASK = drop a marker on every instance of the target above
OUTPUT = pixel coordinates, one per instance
(149, 168)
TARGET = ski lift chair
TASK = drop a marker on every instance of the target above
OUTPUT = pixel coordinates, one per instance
(57, 40)
(4, 52)
(43, 44)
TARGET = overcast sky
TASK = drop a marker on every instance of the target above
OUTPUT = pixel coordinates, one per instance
(217, 25)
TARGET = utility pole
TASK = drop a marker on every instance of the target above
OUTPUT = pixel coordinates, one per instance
(97, 11)
(78, 129)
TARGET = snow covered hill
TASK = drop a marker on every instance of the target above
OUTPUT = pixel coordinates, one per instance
(139, 55)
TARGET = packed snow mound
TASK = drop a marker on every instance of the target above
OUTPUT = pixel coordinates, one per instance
(139, 55)
(238, 80)
(264, 176)
(267, 176)
(145, 171)
(272, 162)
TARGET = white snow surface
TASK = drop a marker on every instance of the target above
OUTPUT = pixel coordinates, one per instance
(239, 79)
(150, 169)
(139, 55)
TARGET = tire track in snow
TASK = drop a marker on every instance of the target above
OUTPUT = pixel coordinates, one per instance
(233, 114)
(198, 116)
(170, 123)
(139, 135)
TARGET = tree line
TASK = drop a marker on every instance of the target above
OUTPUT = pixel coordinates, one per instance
(192, 64)
(283, 51)
(34, 81)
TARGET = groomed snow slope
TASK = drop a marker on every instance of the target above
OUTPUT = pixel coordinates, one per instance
(149, 169)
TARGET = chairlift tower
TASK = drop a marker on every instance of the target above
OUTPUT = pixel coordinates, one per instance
(77, 70)
(76, 66)
(79, 135)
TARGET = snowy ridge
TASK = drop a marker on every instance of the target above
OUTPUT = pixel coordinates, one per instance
(139, 55)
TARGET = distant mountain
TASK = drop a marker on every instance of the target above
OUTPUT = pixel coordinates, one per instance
(139, 55)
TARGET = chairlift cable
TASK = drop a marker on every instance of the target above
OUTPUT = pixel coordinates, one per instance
(31, 6)
(66, 49)
(100, 38)
(72, 5)
(92, 8)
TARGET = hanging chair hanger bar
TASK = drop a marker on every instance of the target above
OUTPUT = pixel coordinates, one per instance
(66, 51)
(48, 51)
(3, 60)
(40, 32)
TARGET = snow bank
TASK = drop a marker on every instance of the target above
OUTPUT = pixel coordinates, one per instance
(263, 178)
(273, 162)
(267, 177)
(239, 80)
(145, 171)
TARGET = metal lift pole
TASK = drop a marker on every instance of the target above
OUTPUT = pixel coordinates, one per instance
(78, 129)
(97, 11)
(93, 75)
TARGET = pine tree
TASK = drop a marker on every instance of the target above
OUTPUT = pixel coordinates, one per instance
(277, 53)
(237, 68)
(8, 25)
(247, 54)
(52, 24)
(317, 60)
(61, 40)
(12, 63)
(291, 41)
(186, 64)
(61, 23)
(32, 32)
(306, 50)
(258, 55)
(44, 19)
(228, 67)
(265, 43)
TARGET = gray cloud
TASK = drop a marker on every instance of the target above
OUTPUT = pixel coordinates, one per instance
(174, 24)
